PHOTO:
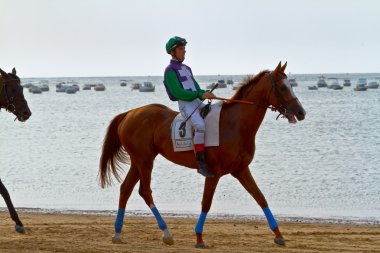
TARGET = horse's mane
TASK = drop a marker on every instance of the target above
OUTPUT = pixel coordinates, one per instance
(247, 83)
(11, 75)
(14, 76)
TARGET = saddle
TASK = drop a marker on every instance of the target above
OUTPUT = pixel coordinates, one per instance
(182, 138)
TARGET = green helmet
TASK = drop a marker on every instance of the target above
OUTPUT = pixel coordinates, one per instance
(175, 42)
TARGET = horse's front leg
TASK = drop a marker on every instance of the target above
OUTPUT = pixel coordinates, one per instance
(245, 178)
(4, 192)
(208, 194)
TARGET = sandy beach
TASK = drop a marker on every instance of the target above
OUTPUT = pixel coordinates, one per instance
(92, 233)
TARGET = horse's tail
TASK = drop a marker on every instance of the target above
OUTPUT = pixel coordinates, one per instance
(113, 154)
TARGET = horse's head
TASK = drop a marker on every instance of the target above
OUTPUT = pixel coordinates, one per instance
(281, 95)
(12, 96)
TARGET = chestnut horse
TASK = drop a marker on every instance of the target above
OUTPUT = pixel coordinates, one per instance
(137, 136)
(12, 99)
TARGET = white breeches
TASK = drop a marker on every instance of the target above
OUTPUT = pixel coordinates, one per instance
(196, 120)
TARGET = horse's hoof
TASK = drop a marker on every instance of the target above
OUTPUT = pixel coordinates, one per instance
(168, 240)
(116, 239)
(20, 229)
(167, 237)
(279, 241)
(200, 245)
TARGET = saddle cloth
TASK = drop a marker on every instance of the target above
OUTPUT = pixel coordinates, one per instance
(183, 139)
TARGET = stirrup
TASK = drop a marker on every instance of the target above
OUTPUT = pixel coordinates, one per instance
(205, 172)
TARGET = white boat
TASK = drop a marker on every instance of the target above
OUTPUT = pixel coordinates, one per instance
(60, 84)
(76, 86)
(360, 88)
(361, 85)
(44, 87)
(222, 84)
(361, 82)
(210, 86)
(72, 82)
(31, 87)
(61, 89)
(35, 90)
(321, 82)
(347, 82)
(100, 87)
(314, 87)
(147, 87)
(27, 85)
(44, 82)
(293, 82)
(373, 85)
(334, 84)
(86, 87)
(71, 90)
(123, 83)
(230, 81)
(135, 86)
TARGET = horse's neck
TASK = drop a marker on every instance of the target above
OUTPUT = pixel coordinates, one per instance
(250, 116)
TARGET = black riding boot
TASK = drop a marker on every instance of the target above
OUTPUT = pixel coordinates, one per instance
(202, 166)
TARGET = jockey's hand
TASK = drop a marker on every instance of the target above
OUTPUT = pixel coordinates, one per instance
(208, 95)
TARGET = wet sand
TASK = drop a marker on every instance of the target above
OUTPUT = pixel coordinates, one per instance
(92, 233)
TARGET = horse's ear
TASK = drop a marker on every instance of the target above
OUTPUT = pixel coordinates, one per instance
(278, 68)
(284, 67)
(14, 71)
(3, 73)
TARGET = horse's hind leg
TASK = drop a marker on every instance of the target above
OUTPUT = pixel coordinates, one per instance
(145, 170)
(4, 192)
(126, 189)
(245, 178)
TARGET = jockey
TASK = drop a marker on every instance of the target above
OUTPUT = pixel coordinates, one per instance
(182, 87)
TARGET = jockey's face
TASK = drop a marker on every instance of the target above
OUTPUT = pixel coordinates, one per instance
(179, 53)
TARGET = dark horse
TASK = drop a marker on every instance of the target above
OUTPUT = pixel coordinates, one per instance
(12, 99)
(137, 136)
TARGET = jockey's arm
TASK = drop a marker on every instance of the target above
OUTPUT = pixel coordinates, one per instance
(176, 89)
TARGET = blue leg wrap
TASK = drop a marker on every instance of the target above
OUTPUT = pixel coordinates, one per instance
(201, 222)
(160, 221)
(271, 220)
(119, 220)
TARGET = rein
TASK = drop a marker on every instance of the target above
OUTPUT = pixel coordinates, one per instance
(245, 102)
(282, 108)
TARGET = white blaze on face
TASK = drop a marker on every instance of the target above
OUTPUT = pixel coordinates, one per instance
(290, 116)
(287, 83)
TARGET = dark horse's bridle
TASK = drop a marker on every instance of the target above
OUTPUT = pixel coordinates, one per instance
(284, 104)
(10, 100)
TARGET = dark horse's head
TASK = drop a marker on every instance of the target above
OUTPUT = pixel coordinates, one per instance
(282, 97)
(12, 96)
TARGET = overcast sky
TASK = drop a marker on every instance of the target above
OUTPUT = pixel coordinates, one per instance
(51, 38)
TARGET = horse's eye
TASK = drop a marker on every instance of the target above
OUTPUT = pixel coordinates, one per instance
(283, 88)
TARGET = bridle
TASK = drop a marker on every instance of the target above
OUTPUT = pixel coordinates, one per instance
(284, 104)
(282, 108)
(9, 100)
